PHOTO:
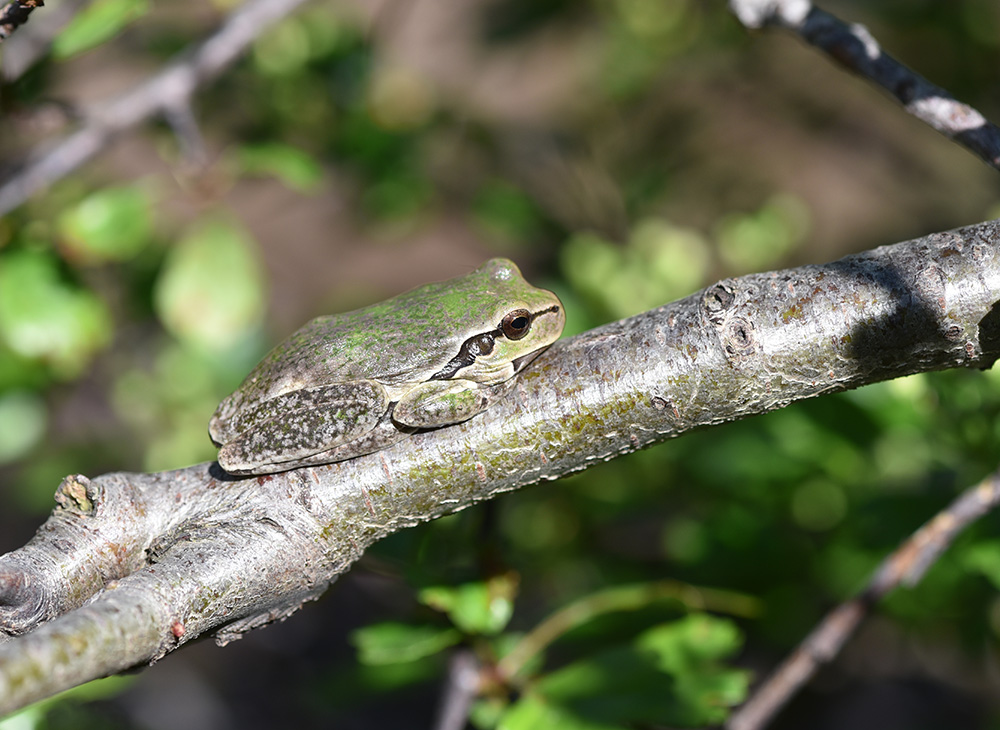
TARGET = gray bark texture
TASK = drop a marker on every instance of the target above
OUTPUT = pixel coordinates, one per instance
(131, 566)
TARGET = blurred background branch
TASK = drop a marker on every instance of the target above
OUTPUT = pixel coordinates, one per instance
(855, 48)
(15, 14)
(905, 566)
(169, 90)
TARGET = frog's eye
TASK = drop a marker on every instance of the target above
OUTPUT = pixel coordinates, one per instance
(516, 324)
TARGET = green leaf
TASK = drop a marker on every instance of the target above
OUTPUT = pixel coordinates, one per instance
(44, 318)
(532, 712)
(660, 262)
(97, 23)
(34, 716)
(210, 291)
(110, 225)
(693, 641)
(749, 242)
(671, 675)
(395, 643)
(983, 557)
(23, 419)
(475, 608)
(284, 49)
(294, 167)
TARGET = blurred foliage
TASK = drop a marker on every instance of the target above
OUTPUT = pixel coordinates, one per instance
(69, 708)
(137, 293)
(113, 224)
(669, 673)
(46, 320)
(97, 23)
(292, 166)
(198, 305)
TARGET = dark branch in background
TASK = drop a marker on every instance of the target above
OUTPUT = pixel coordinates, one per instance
(857, 50)
(461, 688)
(168, 91)
(32, 43)
(905, 566)
(15, 14)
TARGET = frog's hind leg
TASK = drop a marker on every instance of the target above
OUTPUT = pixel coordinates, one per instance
(385, 433)
(284, 432)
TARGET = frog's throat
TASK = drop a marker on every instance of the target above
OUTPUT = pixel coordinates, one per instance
(521, 362)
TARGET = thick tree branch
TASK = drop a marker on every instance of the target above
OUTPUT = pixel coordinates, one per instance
(856, 49)
(906, 566)
(131, 566)
(168, 91)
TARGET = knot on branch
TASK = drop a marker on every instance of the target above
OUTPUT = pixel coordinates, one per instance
(737, 332)
(717, 301)
(739, 337)
(76, 494)
(23, 600)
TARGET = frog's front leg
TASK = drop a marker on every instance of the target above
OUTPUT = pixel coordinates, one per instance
(283, 432)
(444, 402)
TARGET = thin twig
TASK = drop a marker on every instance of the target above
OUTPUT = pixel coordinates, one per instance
(172, 88)
(461, 687)
(905, 566)
(854, 47)
(185, 126)
(15, 14)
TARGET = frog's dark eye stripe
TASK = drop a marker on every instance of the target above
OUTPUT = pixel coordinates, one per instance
(467, 354)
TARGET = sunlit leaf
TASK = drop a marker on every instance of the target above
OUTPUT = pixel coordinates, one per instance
(394, 643)
(284, 49)
(113, 224)
(476, 608)
(749, 242)
(659, 263)
(399, 99)
(23, 418)
(294, 167)
(211, 288)
(45, 318)
(97, 23)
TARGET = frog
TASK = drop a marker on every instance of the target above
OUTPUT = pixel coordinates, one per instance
(350, 384)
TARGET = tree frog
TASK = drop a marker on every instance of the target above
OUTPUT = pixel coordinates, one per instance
(353, 383)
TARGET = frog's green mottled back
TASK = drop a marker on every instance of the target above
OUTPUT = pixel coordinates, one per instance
(438, 354)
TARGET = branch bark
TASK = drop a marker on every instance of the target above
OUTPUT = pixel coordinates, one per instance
(131, 566)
